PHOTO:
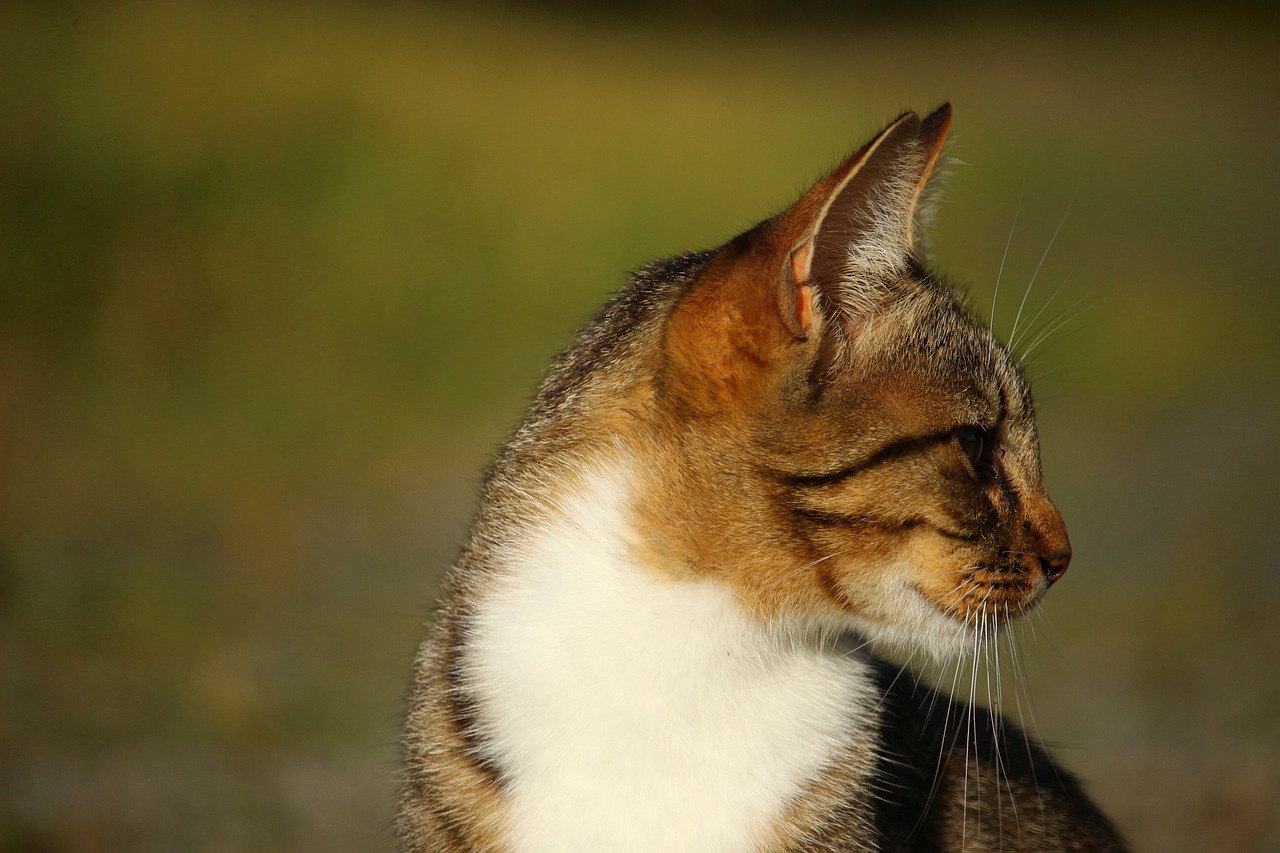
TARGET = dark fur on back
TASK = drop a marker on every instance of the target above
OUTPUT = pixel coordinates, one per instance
(1018, 799)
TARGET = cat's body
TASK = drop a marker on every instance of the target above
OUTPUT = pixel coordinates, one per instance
(751, 458)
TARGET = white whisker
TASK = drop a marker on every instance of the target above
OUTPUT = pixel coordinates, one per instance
(1031, 324)
(1014, 333)
(1049, 344)
(1000, 274)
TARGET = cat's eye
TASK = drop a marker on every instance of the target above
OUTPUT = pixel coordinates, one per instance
(979, 447)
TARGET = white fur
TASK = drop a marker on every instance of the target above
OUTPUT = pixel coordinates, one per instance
(636, 712)
(916, 625)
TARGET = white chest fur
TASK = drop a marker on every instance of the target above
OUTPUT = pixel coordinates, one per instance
(639, 713)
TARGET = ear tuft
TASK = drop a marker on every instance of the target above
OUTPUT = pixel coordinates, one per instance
(933, 138)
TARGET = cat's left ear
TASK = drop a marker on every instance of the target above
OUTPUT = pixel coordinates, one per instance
(858, 227)
(809, 276)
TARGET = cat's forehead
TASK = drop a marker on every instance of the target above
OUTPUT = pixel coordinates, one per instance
(928, 342)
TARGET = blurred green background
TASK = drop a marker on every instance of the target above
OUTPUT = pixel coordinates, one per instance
(277, 278)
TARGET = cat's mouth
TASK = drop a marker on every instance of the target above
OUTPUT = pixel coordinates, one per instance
(987, 596)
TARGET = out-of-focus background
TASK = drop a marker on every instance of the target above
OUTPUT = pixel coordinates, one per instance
(276, 279)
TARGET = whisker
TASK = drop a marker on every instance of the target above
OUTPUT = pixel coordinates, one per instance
(1026, 737)
(1050, 344)
(1038, 379)
(1007, 637)
(1039, 614)
(901, 670)
(1064, 316)
(1060, 322)
(806, 567)
(971, 743)
(853, 651)
(1000, 273)
(948, 601)
(946, 744)
(1030, 284)
(993, 715)
(959, 590)
(1031, 324)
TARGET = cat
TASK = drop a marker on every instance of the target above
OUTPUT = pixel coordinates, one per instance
(751, 461)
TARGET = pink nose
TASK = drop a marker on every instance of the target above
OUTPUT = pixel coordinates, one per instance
(1055, 565)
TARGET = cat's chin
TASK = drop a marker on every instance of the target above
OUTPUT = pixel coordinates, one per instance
(918, 626)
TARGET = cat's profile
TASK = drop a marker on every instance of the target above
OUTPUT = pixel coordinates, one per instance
(750, 461)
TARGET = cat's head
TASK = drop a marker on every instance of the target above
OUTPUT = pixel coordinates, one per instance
(850, 443)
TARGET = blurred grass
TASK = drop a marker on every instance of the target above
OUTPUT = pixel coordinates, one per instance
(276, 278)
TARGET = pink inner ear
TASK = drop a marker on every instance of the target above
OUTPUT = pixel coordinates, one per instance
(804, 307)
(800, 260)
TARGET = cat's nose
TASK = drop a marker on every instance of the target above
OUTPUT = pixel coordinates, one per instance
(1049, 539)
(1055, 565)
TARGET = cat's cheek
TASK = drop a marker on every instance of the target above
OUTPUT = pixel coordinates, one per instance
(910, 619)
(924, 597)
(885, 598)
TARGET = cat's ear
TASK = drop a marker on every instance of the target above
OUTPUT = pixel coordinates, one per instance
(798, 286)
(857, 228)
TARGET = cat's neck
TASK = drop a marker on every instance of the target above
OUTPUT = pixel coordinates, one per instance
(657, 706)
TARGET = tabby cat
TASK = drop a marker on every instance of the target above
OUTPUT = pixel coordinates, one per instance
(753, 460)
